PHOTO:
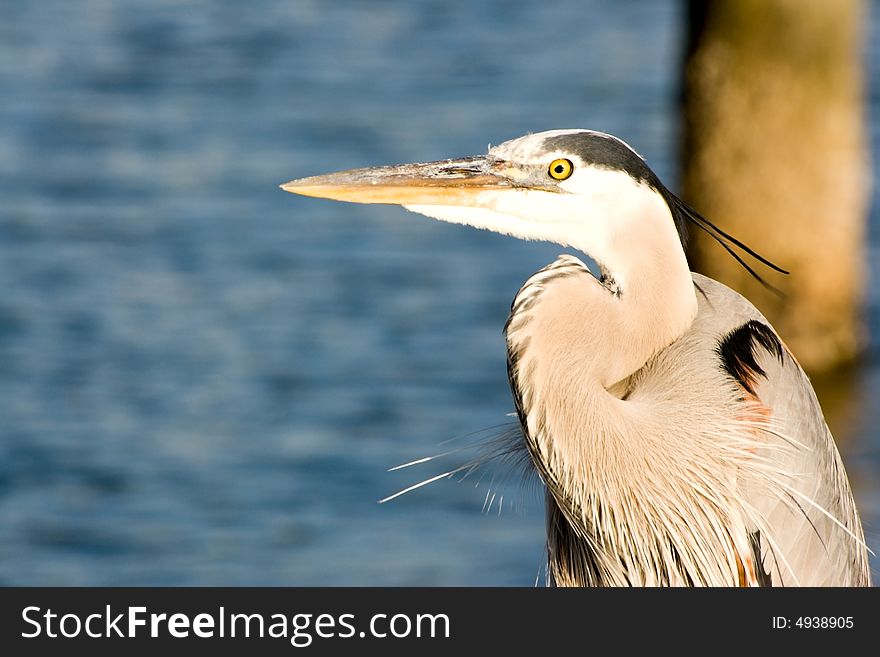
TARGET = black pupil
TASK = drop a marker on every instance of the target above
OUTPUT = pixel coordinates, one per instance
(558, 168)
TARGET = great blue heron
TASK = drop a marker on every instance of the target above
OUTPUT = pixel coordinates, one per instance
(678, 438)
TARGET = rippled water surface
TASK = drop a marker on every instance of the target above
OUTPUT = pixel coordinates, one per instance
(203, 380)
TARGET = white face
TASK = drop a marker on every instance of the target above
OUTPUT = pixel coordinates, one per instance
(591, 209)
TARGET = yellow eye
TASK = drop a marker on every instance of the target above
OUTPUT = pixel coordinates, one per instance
(560, 169)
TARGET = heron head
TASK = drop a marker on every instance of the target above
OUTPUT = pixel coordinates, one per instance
(580, 188)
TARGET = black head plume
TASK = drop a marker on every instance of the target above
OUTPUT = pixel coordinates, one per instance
(684, 214)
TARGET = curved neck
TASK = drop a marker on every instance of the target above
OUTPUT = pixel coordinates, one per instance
(647, 299)
(571, 338)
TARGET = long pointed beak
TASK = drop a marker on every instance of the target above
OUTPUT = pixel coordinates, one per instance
(447, 182)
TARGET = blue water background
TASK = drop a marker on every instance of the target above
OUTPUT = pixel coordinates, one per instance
(203, 380)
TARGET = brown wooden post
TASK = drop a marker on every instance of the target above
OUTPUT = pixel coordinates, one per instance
(775, 152)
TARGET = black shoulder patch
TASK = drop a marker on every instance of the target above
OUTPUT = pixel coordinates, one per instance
(738, 352)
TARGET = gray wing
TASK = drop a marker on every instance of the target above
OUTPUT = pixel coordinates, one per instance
(811, 535)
